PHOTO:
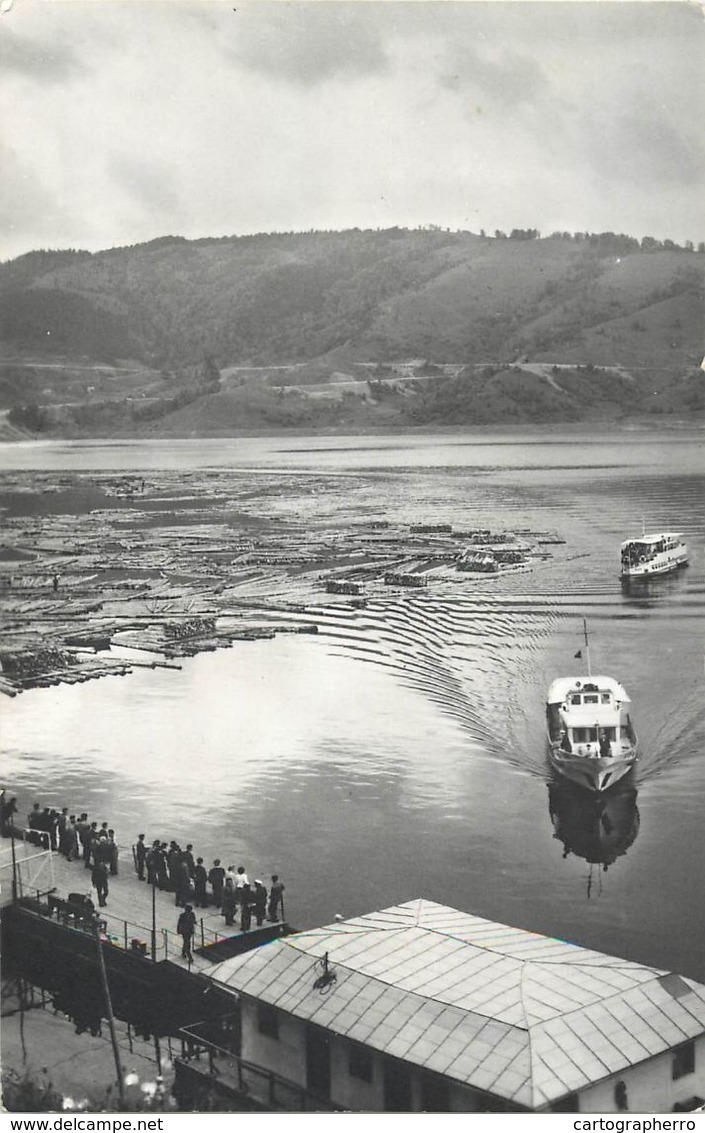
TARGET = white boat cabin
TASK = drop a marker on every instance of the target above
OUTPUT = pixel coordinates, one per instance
(587, 713)
(665, 548)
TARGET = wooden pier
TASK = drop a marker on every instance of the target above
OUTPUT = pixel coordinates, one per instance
(141, 917)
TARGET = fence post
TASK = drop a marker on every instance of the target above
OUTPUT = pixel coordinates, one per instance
(203, 939)
(125, 924)
(165, 934)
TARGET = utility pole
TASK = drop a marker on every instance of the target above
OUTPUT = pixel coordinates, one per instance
(109, 1013)
(154, 921)
(14, 861)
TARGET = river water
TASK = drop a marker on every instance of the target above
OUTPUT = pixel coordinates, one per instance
(401, 752)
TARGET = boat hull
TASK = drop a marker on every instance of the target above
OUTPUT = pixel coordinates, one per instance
(662, 564)
(593, 773)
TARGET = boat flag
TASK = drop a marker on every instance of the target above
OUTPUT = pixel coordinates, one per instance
(579, 653)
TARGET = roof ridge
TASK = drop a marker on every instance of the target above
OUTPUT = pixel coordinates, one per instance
(527, 1027)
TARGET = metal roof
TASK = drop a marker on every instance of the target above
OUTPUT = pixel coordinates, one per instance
(656, 538)
(522, 1016)
(561, 687)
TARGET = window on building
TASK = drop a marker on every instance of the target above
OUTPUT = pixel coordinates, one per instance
(267, 1021)
(683, 1060)
(360, 1064)
(568, 1104)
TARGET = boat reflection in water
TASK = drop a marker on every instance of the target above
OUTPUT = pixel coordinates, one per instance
(646, 590)
(598, 829)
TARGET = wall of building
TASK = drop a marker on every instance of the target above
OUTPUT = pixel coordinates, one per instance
(650, 1086)
(285, 1055)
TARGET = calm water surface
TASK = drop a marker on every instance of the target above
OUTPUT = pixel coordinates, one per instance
(401, 752)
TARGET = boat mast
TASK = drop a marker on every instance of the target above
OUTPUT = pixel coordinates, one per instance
(587, 646)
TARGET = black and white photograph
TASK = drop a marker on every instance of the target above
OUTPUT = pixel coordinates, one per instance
(352, 560)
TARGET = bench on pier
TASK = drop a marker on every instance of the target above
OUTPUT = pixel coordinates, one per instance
(76, 909)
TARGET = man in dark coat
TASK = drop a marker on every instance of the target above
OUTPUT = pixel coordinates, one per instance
(216, 876)
(101, 850)
(89, 844)
(151, 861)
(276, 898)
(199, 884)
(187, 856)
(82, 828)
(245, 899)
(140, 855)
(114, 851)
(259, 900)
(162, 868)
(185, 927)
(99, 879)
(181, 882)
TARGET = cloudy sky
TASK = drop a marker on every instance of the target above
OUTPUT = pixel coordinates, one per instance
(129, 119)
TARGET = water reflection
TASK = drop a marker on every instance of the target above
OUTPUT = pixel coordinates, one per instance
(599, 830)
(646, 592)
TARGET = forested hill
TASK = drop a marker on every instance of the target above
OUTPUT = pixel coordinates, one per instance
(210, 318)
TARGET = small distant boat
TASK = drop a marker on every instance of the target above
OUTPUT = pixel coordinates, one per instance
(653, 554)
(591, 737)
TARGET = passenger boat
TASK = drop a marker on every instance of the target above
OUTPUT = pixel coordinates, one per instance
(591, 738)
(653, 554)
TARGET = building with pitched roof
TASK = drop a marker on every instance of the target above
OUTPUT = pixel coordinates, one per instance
(423, 1007)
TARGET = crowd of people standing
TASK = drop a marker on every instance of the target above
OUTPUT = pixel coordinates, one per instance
(177, 870)
(163, 864)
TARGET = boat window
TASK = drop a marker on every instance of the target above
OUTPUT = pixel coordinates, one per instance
(575, 698)
(605, 698)
(591, 700)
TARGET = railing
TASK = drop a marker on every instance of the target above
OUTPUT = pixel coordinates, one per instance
(120, 933)
(262, 1086)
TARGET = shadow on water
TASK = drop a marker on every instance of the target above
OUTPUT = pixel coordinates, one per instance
(647, 592)
(597, 829)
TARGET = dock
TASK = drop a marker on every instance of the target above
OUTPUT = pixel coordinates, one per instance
(137, 916)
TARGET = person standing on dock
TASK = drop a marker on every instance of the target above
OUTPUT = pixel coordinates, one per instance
(241, 881)
(114, 851)
(216, 876)
(139, 853)
(173, 857)
(260, 902)
(229, 902)
(199, 884)
(187, 856)
(162, 870)
(99, 880)
(61, 824)
(276, 898)
(245, 907)
(181, 881)
(185, 927)
(82, 831)
(69, 840)
(89, 844)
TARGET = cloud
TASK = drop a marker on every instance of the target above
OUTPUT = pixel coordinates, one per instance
(641, 143)
(53, 62)
(148, 181)
(27, 203)
(508, 80)
(307, 44)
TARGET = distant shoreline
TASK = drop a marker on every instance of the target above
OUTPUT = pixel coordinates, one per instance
(589, 430)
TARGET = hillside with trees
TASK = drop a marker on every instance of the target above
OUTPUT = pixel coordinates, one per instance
(355, 329)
